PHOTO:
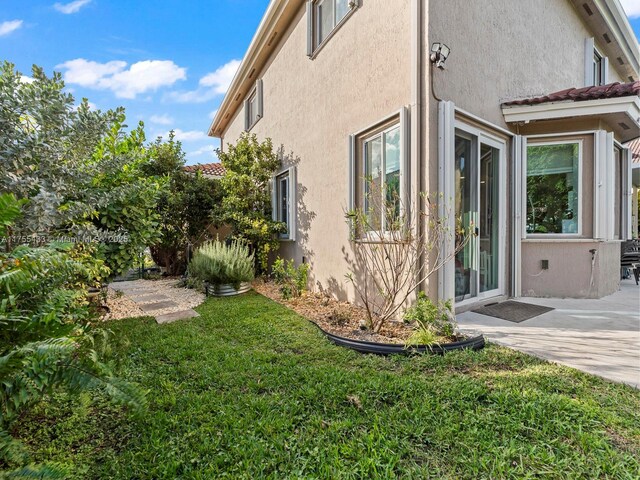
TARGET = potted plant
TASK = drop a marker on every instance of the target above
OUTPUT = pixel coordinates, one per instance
(222, 269)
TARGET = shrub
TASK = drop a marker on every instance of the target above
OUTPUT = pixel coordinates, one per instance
(438, 319)
(48, 340)
(400, 234)
(246, 206)
(218, 263)
(292, 279)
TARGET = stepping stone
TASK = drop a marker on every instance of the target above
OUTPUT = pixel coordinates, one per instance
(150, 307)
(148, 297)
(173, 316)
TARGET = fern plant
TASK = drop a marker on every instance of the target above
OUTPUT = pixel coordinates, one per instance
(47, 340)
(218, 263)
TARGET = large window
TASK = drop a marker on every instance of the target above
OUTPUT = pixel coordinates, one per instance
(553, 188)
(381, 178)
(324, 17)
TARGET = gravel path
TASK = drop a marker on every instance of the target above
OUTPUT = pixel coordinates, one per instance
(161, 299)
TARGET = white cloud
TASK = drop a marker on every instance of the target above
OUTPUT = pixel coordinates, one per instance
(631, 7)
(26, 79)
(140, 77)
(220, 80)
(213, 114)
(188, 136)
(9, 26)
(161, 119)
(210, 86)
(71, 7)
(206, 150)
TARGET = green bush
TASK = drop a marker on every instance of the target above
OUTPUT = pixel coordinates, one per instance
(218, 263)
(431, 320)
(292, 279)
(49, 339)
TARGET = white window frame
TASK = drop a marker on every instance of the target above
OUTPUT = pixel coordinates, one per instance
(314, 45)
(276, 199)
(525, 168)
(590, 53)
(253, 106)
(357, 162)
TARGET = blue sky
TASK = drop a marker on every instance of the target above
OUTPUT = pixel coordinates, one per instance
(168, 62)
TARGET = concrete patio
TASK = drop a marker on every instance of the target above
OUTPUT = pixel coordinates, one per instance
(601, 337)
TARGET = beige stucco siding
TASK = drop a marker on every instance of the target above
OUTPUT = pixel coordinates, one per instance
(573, 272)
(312, 106)
(506, 50)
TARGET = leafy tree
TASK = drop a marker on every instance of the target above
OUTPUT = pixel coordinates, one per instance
(47, 339)
(186, 207)
(126, 210)
(249, 166)
(79, 169)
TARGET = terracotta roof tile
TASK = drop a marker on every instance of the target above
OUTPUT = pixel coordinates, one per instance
(634, 146)
(612, 90)
(213, 169)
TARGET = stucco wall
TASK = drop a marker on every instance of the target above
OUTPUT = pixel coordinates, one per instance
(312, 106)
(505, 50)
(570, 272)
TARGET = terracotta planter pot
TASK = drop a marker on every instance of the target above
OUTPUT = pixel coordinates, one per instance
(227, 290)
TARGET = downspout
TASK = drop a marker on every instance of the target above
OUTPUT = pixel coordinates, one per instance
(416, 177)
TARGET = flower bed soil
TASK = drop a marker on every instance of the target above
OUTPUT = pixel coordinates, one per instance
(338, 318)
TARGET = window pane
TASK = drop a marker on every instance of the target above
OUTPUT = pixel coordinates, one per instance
(253, 111)
(392, 173)
(283, 200)
(465, 160)
(373, 182)
(552, 188)
(342, 8)
(325, 19)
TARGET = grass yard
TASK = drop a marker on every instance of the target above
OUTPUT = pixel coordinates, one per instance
(251, 390)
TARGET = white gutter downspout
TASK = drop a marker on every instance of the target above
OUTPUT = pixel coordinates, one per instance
(416, 146)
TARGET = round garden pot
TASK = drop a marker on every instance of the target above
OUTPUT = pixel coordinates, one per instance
(473, 343)
(227, 290)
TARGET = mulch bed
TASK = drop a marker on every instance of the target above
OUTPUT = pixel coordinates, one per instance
(338, 318)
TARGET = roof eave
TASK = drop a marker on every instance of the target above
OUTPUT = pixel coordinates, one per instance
(264, 37)
(629, 41)
(629, 106)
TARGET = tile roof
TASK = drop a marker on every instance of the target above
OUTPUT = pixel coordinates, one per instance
(634, 146)
(212, 169)
(612, 90)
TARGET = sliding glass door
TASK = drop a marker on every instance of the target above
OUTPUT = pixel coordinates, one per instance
(479, 209)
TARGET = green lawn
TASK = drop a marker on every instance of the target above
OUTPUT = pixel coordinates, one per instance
(251, 390)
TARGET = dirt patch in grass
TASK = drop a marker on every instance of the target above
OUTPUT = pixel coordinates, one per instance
(336, 317)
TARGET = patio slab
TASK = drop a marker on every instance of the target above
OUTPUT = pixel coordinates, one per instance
(601, 337)
(152, 307)
(179, 315)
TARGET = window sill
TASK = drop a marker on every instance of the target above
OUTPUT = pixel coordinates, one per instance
(560, 239)
(317, 49)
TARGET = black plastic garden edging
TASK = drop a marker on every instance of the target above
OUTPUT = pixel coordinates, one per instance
(474, 343)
